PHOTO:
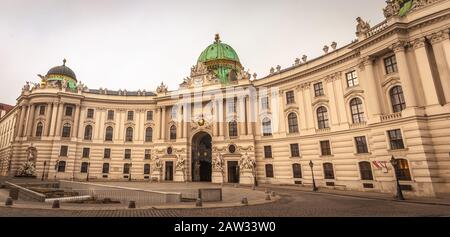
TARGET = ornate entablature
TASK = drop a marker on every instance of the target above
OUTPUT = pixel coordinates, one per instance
(402, 7)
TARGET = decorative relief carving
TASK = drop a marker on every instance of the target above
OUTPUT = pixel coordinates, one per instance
(398, 46)
(439, 36)
(333, 77)
(419, 43)
(394, 7)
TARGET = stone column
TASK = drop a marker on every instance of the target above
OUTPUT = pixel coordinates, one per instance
(250, 117)
(59, 119)
(334, 119)
(179, 121)
(30, 121)
(340, 102)
(310, 124)
(221, 117)
(241, 115)
(53, 119)
(21, 120)
(301, 105)
(441, 48)
(186, 118)
(163, 123)
(371, 88)
(76, 121)
(405, 76)
(158, 123)
(48, 112)
(425, 73)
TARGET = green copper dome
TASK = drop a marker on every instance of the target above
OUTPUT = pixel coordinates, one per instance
(222, 59)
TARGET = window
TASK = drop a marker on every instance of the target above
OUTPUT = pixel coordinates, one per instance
(318, 89)
(328, 171)
(39, 129)
(126, 168)
(232, 129)
(403, 172)
(322, 117)
(147, 169)
(293, 123)
(269, 171)
(130, 116)
(173, 132)
(174, 112)
(86, 152)
(390, 64)
(42, 110)
(396, 139)
(107, 153)
(66, 130)
(129, 134)
(90, 113)
(265, 103)
(290, 98)
(88, 132)
(109, 134)
(127, 154)
(64, 151)
(147, 154)
(105, 168)
(295, 150)
(366, 170)
(267, 152)
(267, 127)
(361, 145)
(325, 148)
(110, 114)
(231, 105)
(297, 171)
(352, 79)
(149, 115)
(69, 110)
(84, 167)
(397, 99)
(62, 166)
(356, 108)
(148, 134)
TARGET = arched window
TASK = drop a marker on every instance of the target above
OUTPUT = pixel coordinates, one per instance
(173, 132)
(39, 129)
(148, 134)
(328, 171)
(269, 171)
(109, 134)
(403, 170)
(397, 99)
(129, 134)
(356, 108)
(232, 129)
(322, 117)
(61, 166)
(267, 127)
(366, 170)
(297, 171)
(88, 132)
(293, 123)
(66, 130)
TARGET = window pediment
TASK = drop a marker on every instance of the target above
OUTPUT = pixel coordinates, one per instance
(320, 100)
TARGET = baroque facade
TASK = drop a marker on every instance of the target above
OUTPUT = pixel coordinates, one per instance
(347, 112)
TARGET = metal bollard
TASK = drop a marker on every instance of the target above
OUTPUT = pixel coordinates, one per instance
(9, 202)
(55, 204)
(268, 197)
(199, 202)
(132, 205)
(14, 193)
(244, 201)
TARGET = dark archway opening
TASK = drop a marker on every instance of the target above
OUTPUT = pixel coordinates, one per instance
(201, 157)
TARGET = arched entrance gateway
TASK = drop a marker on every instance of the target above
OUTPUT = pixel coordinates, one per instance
(201, 157)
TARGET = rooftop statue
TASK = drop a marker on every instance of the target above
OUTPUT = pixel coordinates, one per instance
(362, 28)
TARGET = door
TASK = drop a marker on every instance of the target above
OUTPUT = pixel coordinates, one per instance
(233, 172)
(169, 171)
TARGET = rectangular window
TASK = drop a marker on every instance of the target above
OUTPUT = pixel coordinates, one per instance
(290, 98)
(42, 110)
(147, 169)
(325, 148)
(86, 152)
(361, 145)
(295, 151)
(110, 114)
(69, 111)
(130, 116)
(352, 79)
(147, 155)
(265, 103)
(149, 115)
(84, 167)
(267, 152)
(64, 150)
(269, 171)
(127, 154)
(90, 113)
(297, 171)
(126, 168)
(107, 153)
(390, 64)
(318, 89)
(105, 168)
(396, 139)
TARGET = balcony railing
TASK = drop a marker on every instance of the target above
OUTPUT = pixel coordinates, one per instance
(390, 117)
(376, 29)
(358, 125)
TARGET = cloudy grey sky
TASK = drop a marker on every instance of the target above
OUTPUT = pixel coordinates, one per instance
(136, 44)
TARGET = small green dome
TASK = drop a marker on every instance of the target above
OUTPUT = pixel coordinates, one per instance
(218, 51)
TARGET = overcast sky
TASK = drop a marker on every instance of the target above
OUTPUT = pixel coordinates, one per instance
(136, 44)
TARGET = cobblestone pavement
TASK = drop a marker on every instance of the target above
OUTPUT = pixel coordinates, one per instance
(293, 203)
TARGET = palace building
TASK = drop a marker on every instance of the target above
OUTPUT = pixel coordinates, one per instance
(339, 118)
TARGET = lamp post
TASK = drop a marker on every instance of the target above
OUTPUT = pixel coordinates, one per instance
(43, 171)
(129, 176)
(311, 165)
(399, 195)
(56, 168)
(87, 171)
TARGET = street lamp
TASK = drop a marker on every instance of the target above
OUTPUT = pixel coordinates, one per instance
(43, 171)
(311, 165)
(394, 163)
(56, 168)
(88, 168)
